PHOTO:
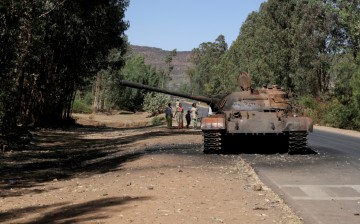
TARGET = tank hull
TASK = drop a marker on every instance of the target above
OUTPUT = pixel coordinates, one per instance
(253, 131)
(267, 123)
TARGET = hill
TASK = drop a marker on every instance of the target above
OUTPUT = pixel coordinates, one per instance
(156, 57)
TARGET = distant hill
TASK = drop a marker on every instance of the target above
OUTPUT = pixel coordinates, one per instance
(156, 57)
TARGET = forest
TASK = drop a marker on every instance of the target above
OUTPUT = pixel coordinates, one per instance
(58, 57)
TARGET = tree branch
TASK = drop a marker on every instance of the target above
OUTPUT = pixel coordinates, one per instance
(59, 3)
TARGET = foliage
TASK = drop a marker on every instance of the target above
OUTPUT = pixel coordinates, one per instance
(309, 106)
(82, 102)
(155, 103)
(7, 111)
(135, 70)
(102, 84)
(49, 49)
(170, 67)
(287, 43)
(81, 107)
(341, 116)
(157, 120)
(207, 73)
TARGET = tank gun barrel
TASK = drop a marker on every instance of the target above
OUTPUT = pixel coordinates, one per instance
(150, 88)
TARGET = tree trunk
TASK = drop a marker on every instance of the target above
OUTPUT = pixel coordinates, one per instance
(97, 94)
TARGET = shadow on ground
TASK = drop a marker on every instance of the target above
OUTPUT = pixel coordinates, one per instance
(65, 213)
(63, 154)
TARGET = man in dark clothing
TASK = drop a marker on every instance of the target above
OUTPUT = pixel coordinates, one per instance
(188, 118)
(168, 115)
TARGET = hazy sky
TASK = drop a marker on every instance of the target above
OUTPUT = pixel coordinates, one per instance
(185, 24)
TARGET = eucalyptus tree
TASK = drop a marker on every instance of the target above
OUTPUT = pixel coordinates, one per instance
(15, 40)
(315, 42)
(134, 70)
(248, 51)
(263, 47)
(205, 76)
(102, 84)
(168, 59)
(346, 68)
(57, 45)
(288, 43)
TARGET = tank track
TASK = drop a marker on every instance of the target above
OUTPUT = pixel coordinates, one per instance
(212, 142)
(298, 143)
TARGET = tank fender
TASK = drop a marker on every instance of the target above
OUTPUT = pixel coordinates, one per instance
(298, 124)
(213, 122)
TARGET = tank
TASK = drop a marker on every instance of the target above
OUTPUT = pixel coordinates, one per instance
(243, 119)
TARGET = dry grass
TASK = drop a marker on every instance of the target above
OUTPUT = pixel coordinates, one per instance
(120, 120)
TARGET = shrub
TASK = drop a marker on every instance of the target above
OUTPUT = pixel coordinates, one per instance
(80, 106)
(154, 103)
(156, 120)
(314, 108)
(341, 116)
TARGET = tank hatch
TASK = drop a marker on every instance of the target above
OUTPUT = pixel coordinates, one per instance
(244, 81)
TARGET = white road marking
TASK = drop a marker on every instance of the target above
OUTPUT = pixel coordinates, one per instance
(317, 192)
(327, 198)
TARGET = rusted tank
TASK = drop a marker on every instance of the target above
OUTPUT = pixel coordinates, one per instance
(239, 116)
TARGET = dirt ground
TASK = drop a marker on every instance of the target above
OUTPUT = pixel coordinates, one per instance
(120, 169)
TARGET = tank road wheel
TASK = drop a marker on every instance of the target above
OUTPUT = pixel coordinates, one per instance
(297, 142)
(212, 142)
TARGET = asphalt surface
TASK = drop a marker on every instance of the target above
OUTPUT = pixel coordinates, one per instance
(322, 187)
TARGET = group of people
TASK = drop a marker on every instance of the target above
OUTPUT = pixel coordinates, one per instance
(191, 115)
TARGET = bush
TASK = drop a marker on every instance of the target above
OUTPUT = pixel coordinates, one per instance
(342, 116)
(306, 106)
(155, 103)
(81, 107)
(308, 102)
(82, 102)
(156, 120)
(329, 112)
(314, 108)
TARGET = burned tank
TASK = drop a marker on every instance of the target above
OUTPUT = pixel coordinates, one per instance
(249, 114)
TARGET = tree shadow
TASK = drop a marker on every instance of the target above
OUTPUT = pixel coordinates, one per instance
(63, 213)
(63, 154)
(21, 212)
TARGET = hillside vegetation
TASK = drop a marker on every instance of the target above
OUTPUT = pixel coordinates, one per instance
(156, 58)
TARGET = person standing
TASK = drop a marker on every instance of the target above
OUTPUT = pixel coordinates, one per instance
(188, 118)
(194, 115)
(210, 111)
(180, 116)
(168, 115)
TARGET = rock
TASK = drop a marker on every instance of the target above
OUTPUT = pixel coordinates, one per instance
(259, 208)
(257, 187)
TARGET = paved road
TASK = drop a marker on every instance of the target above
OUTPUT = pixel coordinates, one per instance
(322, 188)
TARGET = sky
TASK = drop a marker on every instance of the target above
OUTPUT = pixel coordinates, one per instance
(185, 24)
